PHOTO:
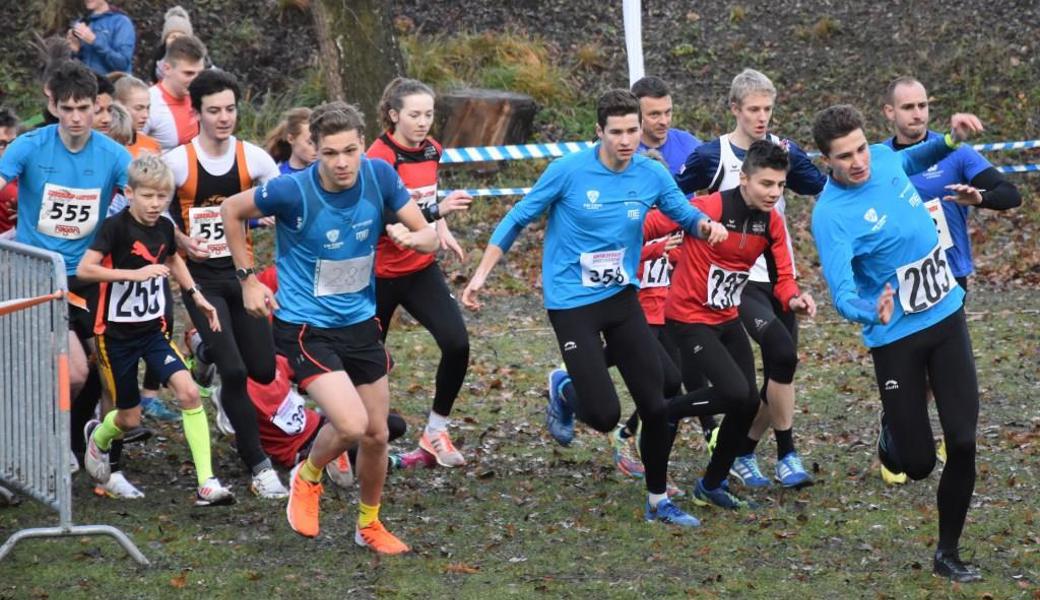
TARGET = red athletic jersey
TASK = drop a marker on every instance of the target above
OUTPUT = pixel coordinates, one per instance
(417, 168)
(285, 424)
(707, 280)
(8, 206)
(655, 270)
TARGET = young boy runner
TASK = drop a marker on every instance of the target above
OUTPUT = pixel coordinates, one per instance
(132, 255)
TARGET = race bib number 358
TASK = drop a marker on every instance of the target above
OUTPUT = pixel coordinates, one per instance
(924, 283)
(603, 269)
(69, 213)
(725, 287)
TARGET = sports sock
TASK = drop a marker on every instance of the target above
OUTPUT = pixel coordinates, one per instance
(367, 515)
(436, 424)
(784, 442)
(261, 466)
(196, 431)
(655, 499)
(106, 432)
(747, 447)
(310, 472)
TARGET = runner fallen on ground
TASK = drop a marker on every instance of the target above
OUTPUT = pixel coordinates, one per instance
(702, 308)
(907, 109)
(328, 220)
(716, 166)
(67, 175)
(414, 280)
(597, 200)
(213, 166)
(132, 256)
(886, 269)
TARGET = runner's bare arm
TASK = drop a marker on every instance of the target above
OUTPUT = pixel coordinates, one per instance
(90, 269)
(412, 231)
(492, 254)
(179, 272)
(236, 211)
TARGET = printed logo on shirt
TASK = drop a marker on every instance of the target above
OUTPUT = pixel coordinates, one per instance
(568, 346)
(430, 153)
(139, 249)
(633, 214)
(871, 216)
(593, 200)
(760, 324)
(933, 172)
(891, 384)
(361, 235)
(333, 236)
(169, 359)
(697, 348)
(731, 224)
(758, 227)
(908, 189)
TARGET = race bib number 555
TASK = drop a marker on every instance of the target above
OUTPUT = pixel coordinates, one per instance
(69, 213)
(603, 269)
(924, 283)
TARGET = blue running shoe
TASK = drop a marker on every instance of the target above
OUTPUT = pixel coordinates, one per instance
(666, 512)
(154, 408)
(720, 497)
(559, 417)
(745, 469)
(790, 472)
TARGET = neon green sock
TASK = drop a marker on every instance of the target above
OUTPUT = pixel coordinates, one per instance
(106, 432)
(196, 431)
(367, 515)
(309, 472)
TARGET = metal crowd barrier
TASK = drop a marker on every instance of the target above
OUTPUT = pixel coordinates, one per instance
(34, 391)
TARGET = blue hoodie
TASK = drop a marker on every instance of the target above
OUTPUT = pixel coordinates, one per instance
(113, 50)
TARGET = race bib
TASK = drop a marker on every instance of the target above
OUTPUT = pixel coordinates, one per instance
(603, 269)
(725, 287)
(136, 301)
(657, 273)
(291, 417)
(935, 210)
(69, 213)
(924, 283)
(205, 222)
(424, 195)
(346, 276)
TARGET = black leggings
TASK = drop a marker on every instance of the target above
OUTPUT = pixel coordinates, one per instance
(426, 296)
(242, 348)
(621, 323)
(774, 329)
(723, 354)
(940, 356)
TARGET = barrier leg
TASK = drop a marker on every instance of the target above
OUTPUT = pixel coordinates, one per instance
(75, 530)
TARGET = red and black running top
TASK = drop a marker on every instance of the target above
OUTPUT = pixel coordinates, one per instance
(127, 309)
(417, 168)
(707, 280)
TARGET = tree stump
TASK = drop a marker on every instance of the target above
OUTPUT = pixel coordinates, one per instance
(477, 117)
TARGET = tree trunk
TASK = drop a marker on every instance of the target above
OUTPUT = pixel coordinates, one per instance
(358, 53)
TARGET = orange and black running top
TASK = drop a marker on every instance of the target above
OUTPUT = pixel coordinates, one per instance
(196, 210)
(127, 309)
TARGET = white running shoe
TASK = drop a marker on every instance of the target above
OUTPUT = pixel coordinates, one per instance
(212, 493)
(118, 487)
(339, 471)
(73, 462)
(95, 461)
(223, 423)
(266, 484)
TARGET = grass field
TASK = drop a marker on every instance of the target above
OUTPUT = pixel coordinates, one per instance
(529, 519)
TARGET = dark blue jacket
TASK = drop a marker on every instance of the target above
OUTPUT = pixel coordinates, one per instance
(113, 50)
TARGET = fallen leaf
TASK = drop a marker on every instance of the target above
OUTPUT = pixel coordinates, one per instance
(461, 568)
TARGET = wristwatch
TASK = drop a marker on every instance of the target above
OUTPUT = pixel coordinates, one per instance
(243, 274)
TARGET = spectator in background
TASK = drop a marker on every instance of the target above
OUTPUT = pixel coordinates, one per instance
(104, 39)
(9, 192)
(176, 24)
(133, 94)
(172, 121)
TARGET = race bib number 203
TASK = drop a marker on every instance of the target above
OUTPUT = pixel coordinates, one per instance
(924, 283)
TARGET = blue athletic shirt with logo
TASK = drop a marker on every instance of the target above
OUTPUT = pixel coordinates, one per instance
(63, 196)
(960, 166)
(595, 230)
(678, 144)
(326, 242)
(701, 165)
(866, 233)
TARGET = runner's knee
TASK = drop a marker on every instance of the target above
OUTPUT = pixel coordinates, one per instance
(779, 353)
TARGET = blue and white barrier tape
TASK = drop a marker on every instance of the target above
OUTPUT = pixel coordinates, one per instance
(1018, 168)
(555, 150)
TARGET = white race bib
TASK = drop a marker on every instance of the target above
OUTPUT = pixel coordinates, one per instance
(136, 301)
(424, 196)
(935, 210)
(205, 222)
(924, 283)
(69, 213)
(346, 276)
(603, 269)
(291, 417)
(657, 273)
(725, 287)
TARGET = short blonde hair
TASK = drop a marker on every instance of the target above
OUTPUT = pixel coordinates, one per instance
(149, 170)
(121, 129)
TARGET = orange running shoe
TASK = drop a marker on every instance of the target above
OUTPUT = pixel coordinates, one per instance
(302, 508)
(378, 539)
(440, 446)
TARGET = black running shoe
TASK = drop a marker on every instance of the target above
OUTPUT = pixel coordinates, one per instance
(948, 564)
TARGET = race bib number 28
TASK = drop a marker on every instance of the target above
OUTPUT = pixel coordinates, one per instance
(69, 213)
(603, 269)
(924, 283)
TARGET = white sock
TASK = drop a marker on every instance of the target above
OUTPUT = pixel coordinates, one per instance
(655, 499)
(436, 423)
